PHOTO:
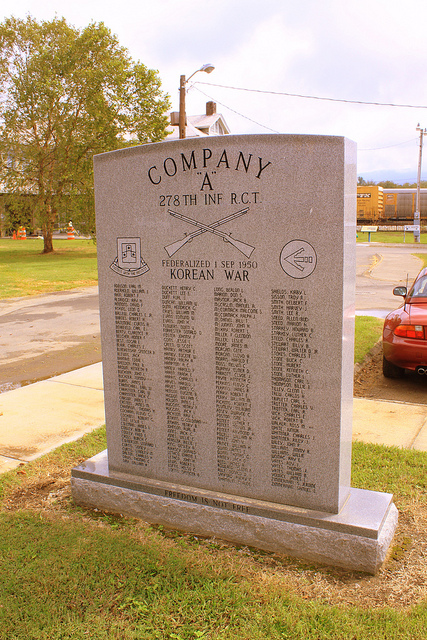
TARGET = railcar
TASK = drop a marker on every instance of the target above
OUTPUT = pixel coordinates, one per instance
(400, 204)
(370, 206)
(376, 205)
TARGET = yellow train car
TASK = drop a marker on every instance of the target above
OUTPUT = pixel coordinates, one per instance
(400, 204)
(370, 203)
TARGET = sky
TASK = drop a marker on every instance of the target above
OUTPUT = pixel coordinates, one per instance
(369, 51)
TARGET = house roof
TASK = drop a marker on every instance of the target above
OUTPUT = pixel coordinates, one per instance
(208, 124)
(190, 131)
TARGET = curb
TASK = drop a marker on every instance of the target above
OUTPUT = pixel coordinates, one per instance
(376, 349)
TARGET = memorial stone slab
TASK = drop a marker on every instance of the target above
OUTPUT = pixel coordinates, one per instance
(226, 280)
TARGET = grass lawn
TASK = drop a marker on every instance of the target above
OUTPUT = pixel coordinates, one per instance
(393, 237)
(25, 271)
(422, 257)
(368, 331)
(73, 573)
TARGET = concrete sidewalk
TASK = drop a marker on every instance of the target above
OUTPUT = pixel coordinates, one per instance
(39, 417)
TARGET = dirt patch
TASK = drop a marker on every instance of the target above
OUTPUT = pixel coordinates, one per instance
(400, 583)
(49, 491)
(369, 382)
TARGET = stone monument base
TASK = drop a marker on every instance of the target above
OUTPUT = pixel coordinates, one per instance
(357, 538)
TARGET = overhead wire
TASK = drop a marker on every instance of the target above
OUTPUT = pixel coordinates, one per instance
(398, 144)
(297, 95)
(294, 95)
(233, 110)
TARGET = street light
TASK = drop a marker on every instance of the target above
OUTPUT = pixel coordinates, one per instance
(207, 68)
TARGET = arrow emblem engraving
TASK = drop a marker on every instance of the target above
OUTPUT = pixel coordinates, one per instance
(298, 259)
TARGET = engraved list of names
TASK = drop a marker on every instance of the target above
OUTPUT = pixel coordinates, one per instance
(179, 308)
(291, 350)
(135, 388)
(234, 315)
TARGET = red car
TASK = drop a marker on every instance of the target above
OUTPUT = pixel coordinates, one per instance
(405, 331)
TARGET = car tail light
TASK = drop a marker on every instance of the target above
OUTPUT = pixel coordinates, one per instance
(410, 331)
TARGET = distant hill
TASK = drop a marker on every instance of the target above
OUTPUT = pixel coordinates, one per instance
(399, 177)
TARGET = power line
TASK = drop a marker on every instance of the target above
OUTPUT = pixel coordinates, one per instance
(297, 95)
(233, 110)
(398, 144)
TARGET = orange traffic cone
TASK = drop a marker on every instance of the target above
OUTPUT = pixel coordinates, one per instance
(14, 235)
(70, 231)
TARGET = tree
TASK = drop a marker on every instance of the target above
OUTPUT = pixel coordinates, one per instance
(388, 184)
(17, 212)
(65, 95)
(361, 182)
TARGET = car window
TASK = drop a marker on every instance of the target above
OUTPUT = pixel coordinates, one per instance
(419, 289)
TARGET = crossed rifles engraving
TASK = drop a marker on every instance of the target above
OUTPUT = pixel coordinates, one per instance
(246, 249)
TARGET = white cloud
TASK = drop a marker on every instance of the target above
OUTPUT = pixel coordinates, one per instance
(369, 50)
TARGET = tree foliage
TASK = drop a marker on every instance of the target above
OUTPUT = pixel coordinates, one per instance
(65, 95)
(389, 184)
(361, 182)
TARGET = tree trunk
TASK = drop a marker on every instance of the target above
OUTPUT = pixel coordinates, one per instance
(47, 228)
(48, 242)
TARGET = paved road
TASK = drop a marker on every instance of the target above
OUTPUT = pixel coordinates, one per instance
(380, 268)
(49, 335)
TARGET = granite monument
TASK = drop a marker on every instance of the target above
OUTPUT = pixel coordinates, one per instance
(226, 280)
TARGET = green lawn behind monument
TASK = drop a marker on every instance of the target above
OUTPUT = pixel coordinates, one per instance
(390, 237)
(25, 271)
(368, 331)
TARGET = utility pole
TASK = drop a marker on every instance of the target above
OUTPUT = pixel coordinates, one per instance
(417, 217)
(207, 68)
(182, 114)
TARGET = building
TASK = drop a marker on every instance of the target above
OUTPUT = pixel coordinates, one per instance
(210, 123)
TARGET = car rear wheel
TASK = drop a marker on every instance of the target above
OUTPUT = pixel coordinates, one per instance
(391, 370)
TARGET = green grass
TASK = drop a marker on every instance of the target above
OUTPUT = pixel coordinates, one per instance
(423, 257)
(394, 237)
(72, 573)
(65, 456)
(25, 271)
(120, 590)
(367, 332)
(402, 472)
